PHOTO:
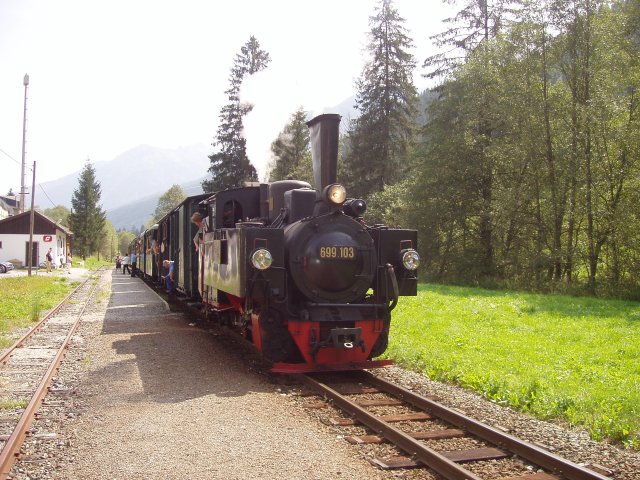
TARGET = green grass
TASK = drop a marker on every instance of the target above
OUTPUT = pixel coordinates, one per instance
(23, 300)
(10, 404)
(557, 357)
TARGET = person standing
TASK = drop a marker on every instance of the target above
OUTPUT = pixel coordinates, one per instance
(125, 264)
(49, 260)
(134, 262)
(118, 262)
(69, 261)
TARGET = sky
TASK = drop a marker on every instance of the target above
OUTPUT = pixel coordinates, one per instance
(105, 77)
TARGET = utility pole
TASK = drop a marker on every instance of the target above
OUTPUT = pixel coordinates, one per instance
(25, 82)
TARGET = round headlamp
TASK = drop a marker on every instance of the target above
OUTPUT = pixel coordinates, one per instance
(261, 259)
(410, 259)
(335, 194)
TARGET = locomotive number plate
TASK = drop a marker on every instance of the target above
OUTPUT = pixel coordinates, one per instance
(346, 253)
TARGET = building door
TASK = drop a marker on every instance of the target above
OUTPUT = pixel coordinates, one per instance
(34, 254)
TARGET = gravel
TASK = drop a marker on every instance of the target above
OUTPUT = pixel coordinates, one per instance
(143, 395)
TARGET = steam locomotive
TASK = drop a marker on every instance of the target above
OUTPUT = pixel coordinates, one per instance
(294, 270)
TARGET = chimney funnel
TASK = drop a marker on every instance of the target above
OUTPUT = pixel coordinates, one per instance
(324, 134)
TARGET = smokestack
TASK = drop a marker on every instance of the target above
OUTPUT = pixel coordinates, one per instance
(324, 135)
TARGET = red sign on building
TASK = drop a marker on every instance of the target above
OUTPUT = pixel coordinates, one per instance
(47, 238)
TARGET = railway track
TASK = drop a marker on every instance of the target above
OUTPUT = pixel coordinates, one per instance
(429, 435)
(28, 367)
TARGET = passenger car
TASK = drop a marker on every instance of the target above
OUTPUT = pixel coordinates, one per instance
(6, 267)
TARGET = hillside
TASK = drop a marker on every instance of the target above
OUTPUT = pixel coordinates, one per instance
(135, 214)
(132, 182)
(135, 174)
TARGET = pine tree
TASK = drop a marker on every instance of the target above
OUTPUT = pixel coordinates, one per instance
(380, 138)
(291, 151)
(87, 219)
(475, 23)
(230, 166)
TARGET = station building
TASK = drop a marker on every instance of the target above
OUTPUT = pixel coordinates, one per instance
(14, 239)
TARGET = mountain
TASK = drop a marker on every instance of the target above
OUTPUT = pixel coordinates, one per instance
(135, 174)
(347, 110)
(133, 215)
(132, 182)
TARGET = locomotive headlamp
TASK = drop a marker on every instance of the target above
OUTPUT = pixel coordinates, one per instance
(261, 259)
(410, 259)
(354, 207)
(335, 194)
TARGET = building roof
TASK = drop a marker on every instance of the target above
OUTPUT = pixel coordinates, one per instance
(42, 224)
(11, 201)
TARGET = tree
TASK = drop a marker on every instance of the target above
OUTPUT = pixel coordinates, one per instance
(168, 201)
(59, 214)
(529, 166)
(292, 157)
(108, 243)
(380, 138)
(124, 240)
(87, 218)
(230, 166)
(468, 42)
(475, 23)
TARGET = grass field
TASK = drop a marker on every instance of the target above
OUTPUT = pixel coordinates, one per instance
(23, 300)
(570, 358)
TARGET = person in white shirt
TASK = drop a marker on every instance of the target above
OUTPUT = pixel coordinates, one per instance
(125, 265)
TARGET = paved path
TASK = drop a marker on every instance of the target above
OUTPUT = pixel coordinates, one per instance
(162, 399)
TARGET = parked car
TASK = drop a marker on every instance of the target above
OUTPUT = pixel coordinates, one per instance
(6, 267)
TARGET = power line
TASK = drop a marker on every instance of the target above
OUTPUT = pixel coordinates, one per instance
(45, 194)
(40, 185)
(17, 161)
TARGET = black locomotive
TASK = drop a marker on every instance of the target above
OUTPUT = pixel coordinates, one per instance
(296, 271)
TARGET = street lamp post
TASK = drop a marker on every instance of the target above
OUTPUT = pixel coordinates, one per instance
(25, 82)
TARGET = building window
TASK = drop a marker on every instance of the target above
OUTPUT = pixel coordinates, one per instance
(0, 243)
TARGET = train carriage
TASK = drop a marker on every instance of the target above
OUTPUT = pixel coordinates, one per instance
(186, 257)
(147, 262)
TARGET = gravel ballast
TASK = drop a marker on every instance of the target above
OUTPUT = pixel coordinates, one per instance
(142, 394)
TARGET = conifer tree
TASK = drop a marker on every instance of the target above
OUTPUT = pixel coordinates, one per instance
(291, 151)
(475, 23)
(87, 219)
(230, 166)
(380, 138)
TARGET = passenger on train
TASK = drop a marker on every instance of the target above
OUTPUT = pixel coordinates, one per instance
(203, 226)
(168, 279)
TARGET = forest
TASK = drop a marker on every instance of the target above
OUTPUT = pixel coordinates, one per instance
(519, 168)
(523, 170)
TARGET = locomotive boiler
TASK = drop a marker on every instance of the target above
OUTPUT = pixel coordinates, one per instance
(299, 273)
